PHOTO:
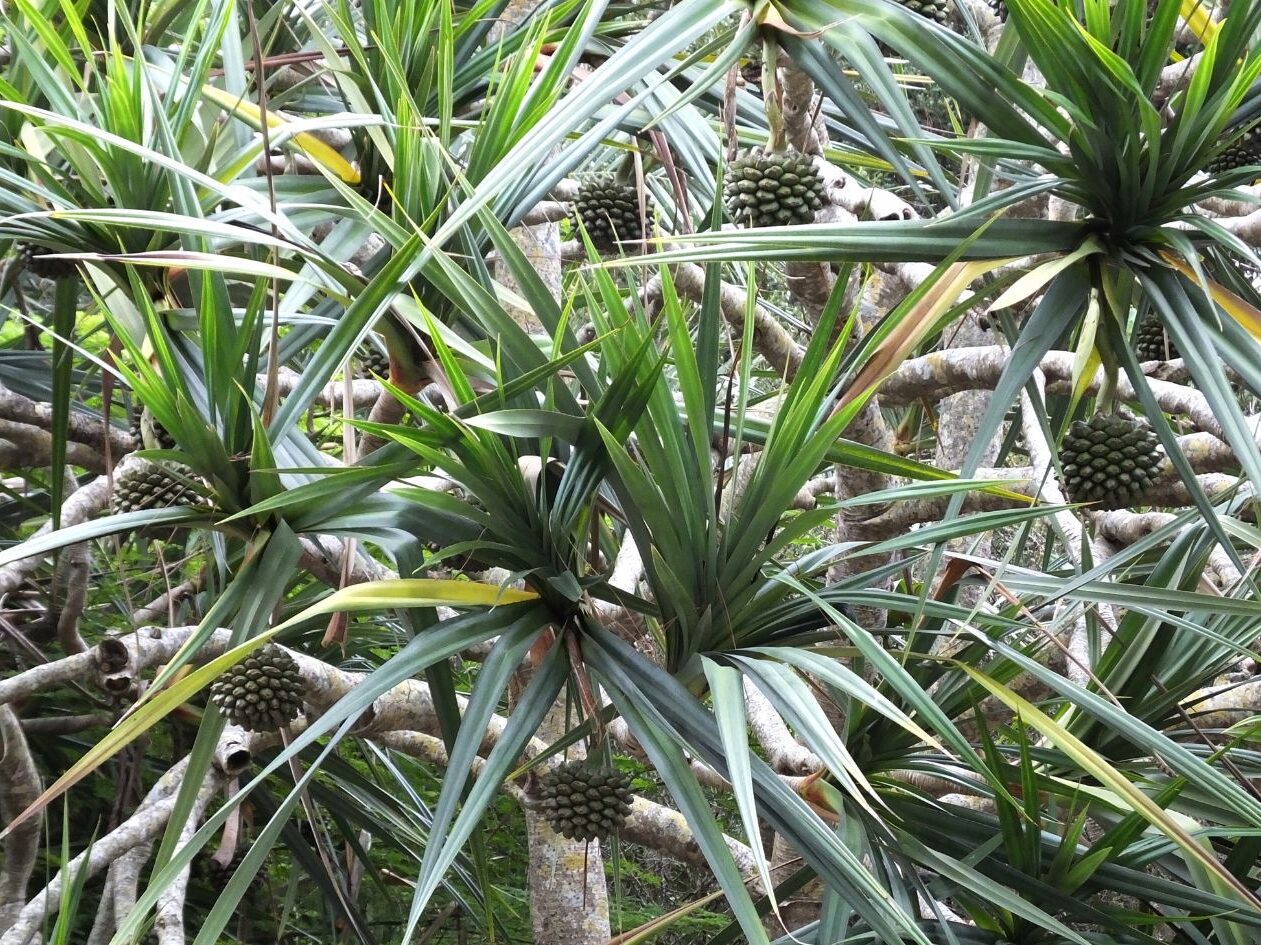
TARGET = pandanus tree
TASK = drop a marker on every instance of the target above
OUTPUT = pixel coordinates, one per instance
(858, 503)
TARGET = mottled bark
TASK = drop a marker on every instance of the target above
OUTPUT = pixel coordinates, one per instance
(1168, 491)
(123, 880)
(386, 409)
(1066, 522)
(937, 375)
(783, 752)
(812, 285)
(958, 425)
(569, 898)
(162, 608)
(19, 786)
(568, 895)
(770, 339)
(70, 593)
(1123, 527)
(142, 827)
(1219, 709)
(81, 428)
(84, 504)
(168, 920)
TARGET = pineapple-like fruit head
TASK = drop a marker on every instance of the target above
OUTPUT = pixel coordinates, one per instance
(1109, 460)
(35, 261)
(152, 434)
(608, 209)
(1151, 343)
(583, 802)
(261, 693)
(374, 361)
(773, 188)
(146, 485)
(1242, 152)
(936, 10)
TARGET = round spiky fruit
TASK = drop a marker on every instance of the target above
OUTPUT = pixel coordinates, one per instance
(35, 261)
(146, 485)
(937, 10)
(609, 210)
(584, 803)
(1241, 153)
(773, 188)
(373, 362)
(1109, 460)
(1150, 341)
(262, 692)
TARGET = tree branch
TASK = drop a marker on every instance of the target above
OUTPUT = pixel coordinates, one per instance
(933, 376)
(142, 827)
(81, 427)
(82, 505)
(168, 920)
(783, 752)
(19, 787)
(770, 338)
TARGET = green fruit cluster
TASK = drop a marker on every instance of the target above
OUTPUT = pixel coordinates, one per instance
(1109, 460)
(145, 485)
(263, 692)
(584, 803)
(937, 10)
(609, 210)
(1241, 152)
(373, 362)
(1151, 343)
(36, 262)
(773, 188)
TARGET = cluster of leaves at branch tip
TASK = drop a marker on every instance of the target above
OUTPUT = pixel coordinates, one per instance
(608, 209)
(1110, 460)
(261, 693)
(584, 803)
(773, 188)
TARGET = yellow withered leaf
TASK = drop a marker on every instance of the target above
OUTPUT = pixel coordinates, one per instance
(1247, 315)
(916, 324)
(1196, 15)
(309, 144)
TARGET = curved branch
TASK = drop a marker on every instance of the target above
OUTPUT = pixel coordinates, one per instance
(936, 375)
(771, 340)
(168, 920)
(80, 506)
(1167, 492)
(143, 826)
(19, 787)
(81, 428)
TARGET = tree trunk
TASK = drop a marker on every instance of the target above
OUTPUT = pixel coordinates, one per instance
(569, 901)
